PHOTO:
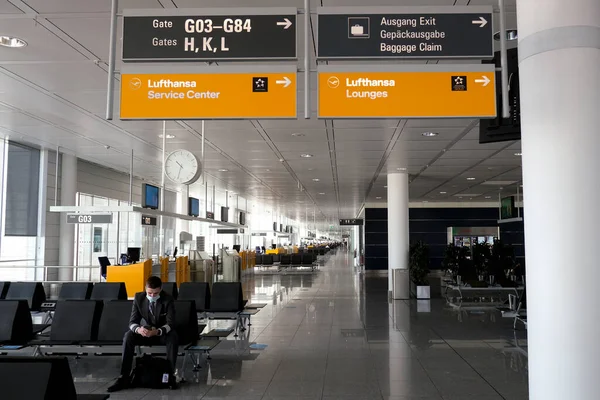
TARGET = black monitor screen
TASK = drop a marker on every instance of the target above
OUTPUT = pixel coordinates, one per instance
(507, 208)
(242, 218)
(150, 196)
(193, 207)
(134, 254)
(224, 214)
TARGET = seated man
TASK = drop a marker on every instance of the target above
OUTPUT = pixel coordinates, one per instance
(157, 310)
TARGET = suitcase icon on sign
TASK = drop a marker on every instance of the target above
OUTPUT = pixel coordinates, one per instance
(357, 30)
(359, 27)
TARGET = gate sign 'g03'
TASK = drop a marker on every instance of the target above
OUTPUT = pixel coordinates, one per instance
(183, 35)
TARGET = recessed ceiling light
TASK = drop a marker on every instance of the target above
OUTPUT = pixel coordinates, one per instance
(268, 170)
(223, 170)
(385, 186)
(518, 154)
(321, 193)
(401, 169)
(169, 136)
(306, 155)
(297, 134)
(511, 34)
(378, 198)
(488, 197)
(443, 192)
(470, 179)
(429, 134)
(13, 42)
(316, 179)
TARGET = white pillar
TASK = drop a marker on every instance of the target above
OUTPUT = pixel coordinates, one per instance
(559, 54)
(68, 192)
(398, 241)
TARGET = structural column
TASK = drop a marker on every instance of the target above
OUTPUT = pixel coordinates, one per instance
(398, 241)
(68, 192)
(559, 55)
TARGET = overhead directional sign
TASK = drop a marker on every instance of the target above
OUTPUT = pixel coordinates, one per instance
(208, 93)
(426, 91)
(350, 222)
(405, 32)
(89, 218)
(215, 34)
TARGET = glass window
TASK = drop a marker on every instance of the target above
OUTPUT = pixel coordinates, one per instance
(22, 187)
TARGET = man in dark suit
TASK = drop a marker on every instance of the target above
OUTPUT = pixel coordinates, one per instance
(152, 322)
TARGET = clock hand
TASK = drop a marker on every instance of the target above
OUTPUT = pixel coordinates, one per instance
(179, 173)
(180, 166)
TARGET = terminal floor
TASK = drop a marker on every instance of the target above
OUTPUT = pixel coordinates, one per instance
(333, 335)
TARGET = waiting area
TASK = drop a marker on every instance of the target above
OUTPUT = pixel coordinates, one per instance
(327, 335)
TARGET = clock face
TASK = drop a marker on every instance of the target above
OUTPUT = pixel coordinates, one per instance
(181, 166)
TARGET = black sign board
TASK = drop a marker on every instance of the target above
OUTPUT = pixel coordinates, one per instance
(210, 215)
(226, 231)
(346, 222)
(409, 32)
(89, 218)
(264, 234)
(148, 221)
(184, 35)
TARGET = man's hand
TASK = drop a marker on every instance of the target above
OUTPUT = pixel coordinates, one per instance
(143, 331)
(153, 332)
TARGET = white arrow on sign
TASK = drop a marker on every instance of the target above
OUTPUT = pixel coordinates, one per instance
(481, 22)
(286, 23)
(485, 80)
(285, 82)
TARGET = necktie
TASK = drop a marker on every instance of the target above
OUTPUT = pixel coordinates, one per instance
(152, 312)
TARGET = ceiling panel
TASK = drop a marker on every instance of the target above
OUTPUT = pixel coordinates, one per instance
(363, 134)
(95, 6)
(41, 44)
(66, 90)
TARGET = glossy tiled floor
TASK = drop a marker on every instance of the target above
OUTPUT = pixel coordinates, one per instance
(333, 335)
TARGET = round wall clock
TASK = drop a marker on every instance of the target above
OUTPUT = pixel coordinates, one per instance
(182, 167)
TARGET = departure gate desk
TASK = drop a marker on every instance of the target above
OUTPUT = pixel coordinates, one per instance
(134, 276)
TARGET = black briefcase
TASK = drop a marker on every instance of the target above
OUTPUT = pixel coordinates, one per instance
(152, 372)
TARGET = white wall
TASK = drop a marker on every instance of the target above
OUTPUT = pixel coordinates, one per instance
(100, 181)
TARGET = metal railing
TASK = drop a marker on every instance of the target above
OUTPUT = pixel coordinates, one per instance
(92, 273)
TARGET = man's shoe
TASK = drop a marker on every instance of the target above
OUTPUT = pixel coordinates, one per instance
(120, 384)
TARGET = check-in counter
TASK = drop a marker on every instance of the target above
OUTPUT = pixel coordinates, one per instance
(134, 276)
(182, 270)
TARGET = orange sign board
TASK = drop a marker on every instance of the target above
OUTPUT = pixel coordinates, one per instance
(407, 94)
(208, 96)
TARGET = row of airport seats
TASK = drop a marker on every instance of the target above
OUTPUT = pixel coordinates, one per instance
(225, 296)
(85, 323)
(36, 298)
(304, 259)
(105, 321)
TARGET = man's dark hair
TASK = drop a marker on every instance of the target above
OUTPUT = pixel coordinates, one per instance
(154, 282)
